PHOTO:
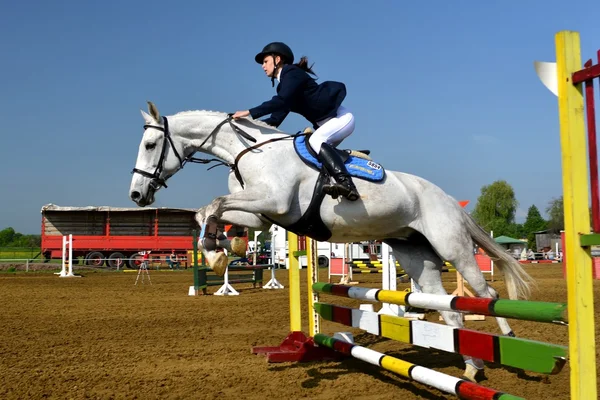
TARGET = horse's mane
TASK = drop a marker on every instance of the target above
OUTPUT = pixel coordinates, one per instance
(252, 122)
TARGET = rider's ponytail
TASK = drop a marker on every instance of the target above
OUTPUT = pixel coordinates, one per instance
(303, 64)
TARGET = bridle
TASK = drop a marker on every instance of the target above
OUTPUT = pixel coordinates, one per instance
(156, 180)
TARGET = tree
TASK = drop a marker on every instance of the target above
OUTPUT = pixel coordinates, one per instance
(556, 214)
(10, 238)
(496, 207)
(533, 223)
(26, 241)
(6, 236)
(515, 231)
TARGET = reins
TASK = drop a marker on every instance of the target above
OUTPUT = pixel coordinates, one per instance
(157, 181)
(235, 168)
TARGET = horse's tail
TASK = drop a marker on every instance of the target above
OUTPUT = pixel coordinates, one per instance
(518, 281)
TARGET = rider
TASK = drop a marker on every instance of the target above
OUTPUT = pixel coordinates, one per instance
(320, 104)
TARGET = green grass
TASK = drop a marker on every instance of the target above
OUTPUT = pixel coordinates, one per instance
(18, 253)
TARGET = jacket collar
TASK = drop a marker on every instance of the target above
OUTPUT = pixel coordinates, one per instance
(284, 70)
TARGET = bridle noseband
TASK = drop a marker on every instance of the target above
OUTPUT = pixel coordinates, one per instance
(156, 181)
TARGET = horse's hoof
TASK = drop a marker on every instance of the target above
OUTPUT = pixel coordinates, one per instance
(219, 264)
(238, 246)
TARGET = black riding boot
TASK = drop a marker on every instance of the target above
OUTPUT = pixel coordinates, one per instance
(335, 166)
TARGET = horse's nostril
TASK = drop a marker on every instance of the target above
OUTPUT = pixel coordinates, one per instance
(135, 195)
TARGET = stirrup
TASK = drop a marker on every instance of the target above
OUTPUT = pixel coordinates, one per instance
(337, 190)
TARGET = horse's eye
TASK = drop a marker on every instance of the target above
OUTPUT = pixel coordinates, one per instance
(150, 146)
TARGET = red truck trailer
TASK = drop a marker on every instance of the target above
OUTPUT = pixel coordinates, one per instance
(114, 236)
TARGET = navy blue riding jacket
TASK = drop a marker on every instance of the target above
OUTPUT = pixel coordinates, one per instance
(298, 92)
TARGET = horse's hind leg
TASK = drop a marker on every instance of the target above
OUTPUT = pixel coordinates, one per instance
(472, 274)
(458, 248)
(424, 266)
(453, 243)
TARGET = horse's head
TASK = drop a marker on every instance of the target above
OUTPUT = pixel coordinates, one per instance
(163, 151)
(159, 157)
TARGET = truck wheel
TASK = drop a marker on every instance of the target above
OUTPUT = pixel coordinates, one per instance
(116, 260)
(135, 261)
(95, 259)
(323, 262)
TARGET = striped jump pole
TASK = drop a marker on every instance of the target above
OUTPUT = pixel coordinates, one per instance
(446, 383)
(529, 355)
(518, 309)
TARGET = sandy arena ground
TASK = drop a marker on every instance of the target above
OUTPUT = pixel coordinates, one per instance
(101, 337)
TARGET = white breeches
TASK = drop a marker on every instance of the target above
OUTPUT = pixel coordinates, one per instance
(333, 130)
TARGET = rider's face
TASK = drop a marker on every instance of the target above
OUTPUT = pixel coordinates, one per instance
(268, 64)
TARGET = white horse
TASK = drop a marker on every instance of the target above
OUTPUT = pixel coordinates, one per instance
(269, 183)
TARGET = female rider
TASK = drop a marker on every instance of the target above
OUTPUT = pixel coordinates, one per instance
(320, 104)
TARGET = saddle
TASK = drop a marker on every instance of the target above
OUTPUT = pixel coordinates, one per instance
(358, 164)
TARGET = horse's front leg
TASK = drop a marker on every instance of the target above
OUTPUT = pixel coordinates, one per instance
(211, 240)
(239, 208)
(237, 245)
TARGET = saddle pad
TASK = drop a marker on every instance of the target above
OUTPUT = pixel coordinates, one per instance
(357, 167)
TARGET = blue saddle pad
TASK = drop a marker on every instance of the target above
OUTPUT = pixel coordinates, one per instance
(357, 167)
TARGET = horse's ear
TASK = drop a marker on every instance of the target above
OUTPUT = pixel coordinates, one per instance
(147, 118)
(153, 111)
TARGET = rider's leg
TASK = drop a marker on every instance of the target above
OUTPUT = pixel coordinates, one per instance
(334, 130)
(335, 166)
(323, 140)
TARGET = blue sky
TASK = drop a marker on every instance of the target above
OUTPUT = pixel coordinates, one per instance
(443, 90)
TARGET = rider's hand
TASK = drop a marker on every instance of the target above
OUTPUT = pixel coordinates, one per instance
(240, 114)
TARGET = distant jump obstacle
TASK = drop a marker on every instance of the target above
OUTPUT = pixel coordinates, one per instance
(67, 258)
(244, 274)
(342, 269)
(204, 277)
(273, 283)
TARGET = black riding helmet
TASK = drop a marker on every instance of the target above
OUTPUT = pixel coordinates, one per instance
(278, 48)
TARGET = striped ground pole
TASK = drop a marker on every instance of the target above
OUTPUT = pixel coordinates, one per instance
(529, 355)
(518, 309)
(366, 271)
(446, 383)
